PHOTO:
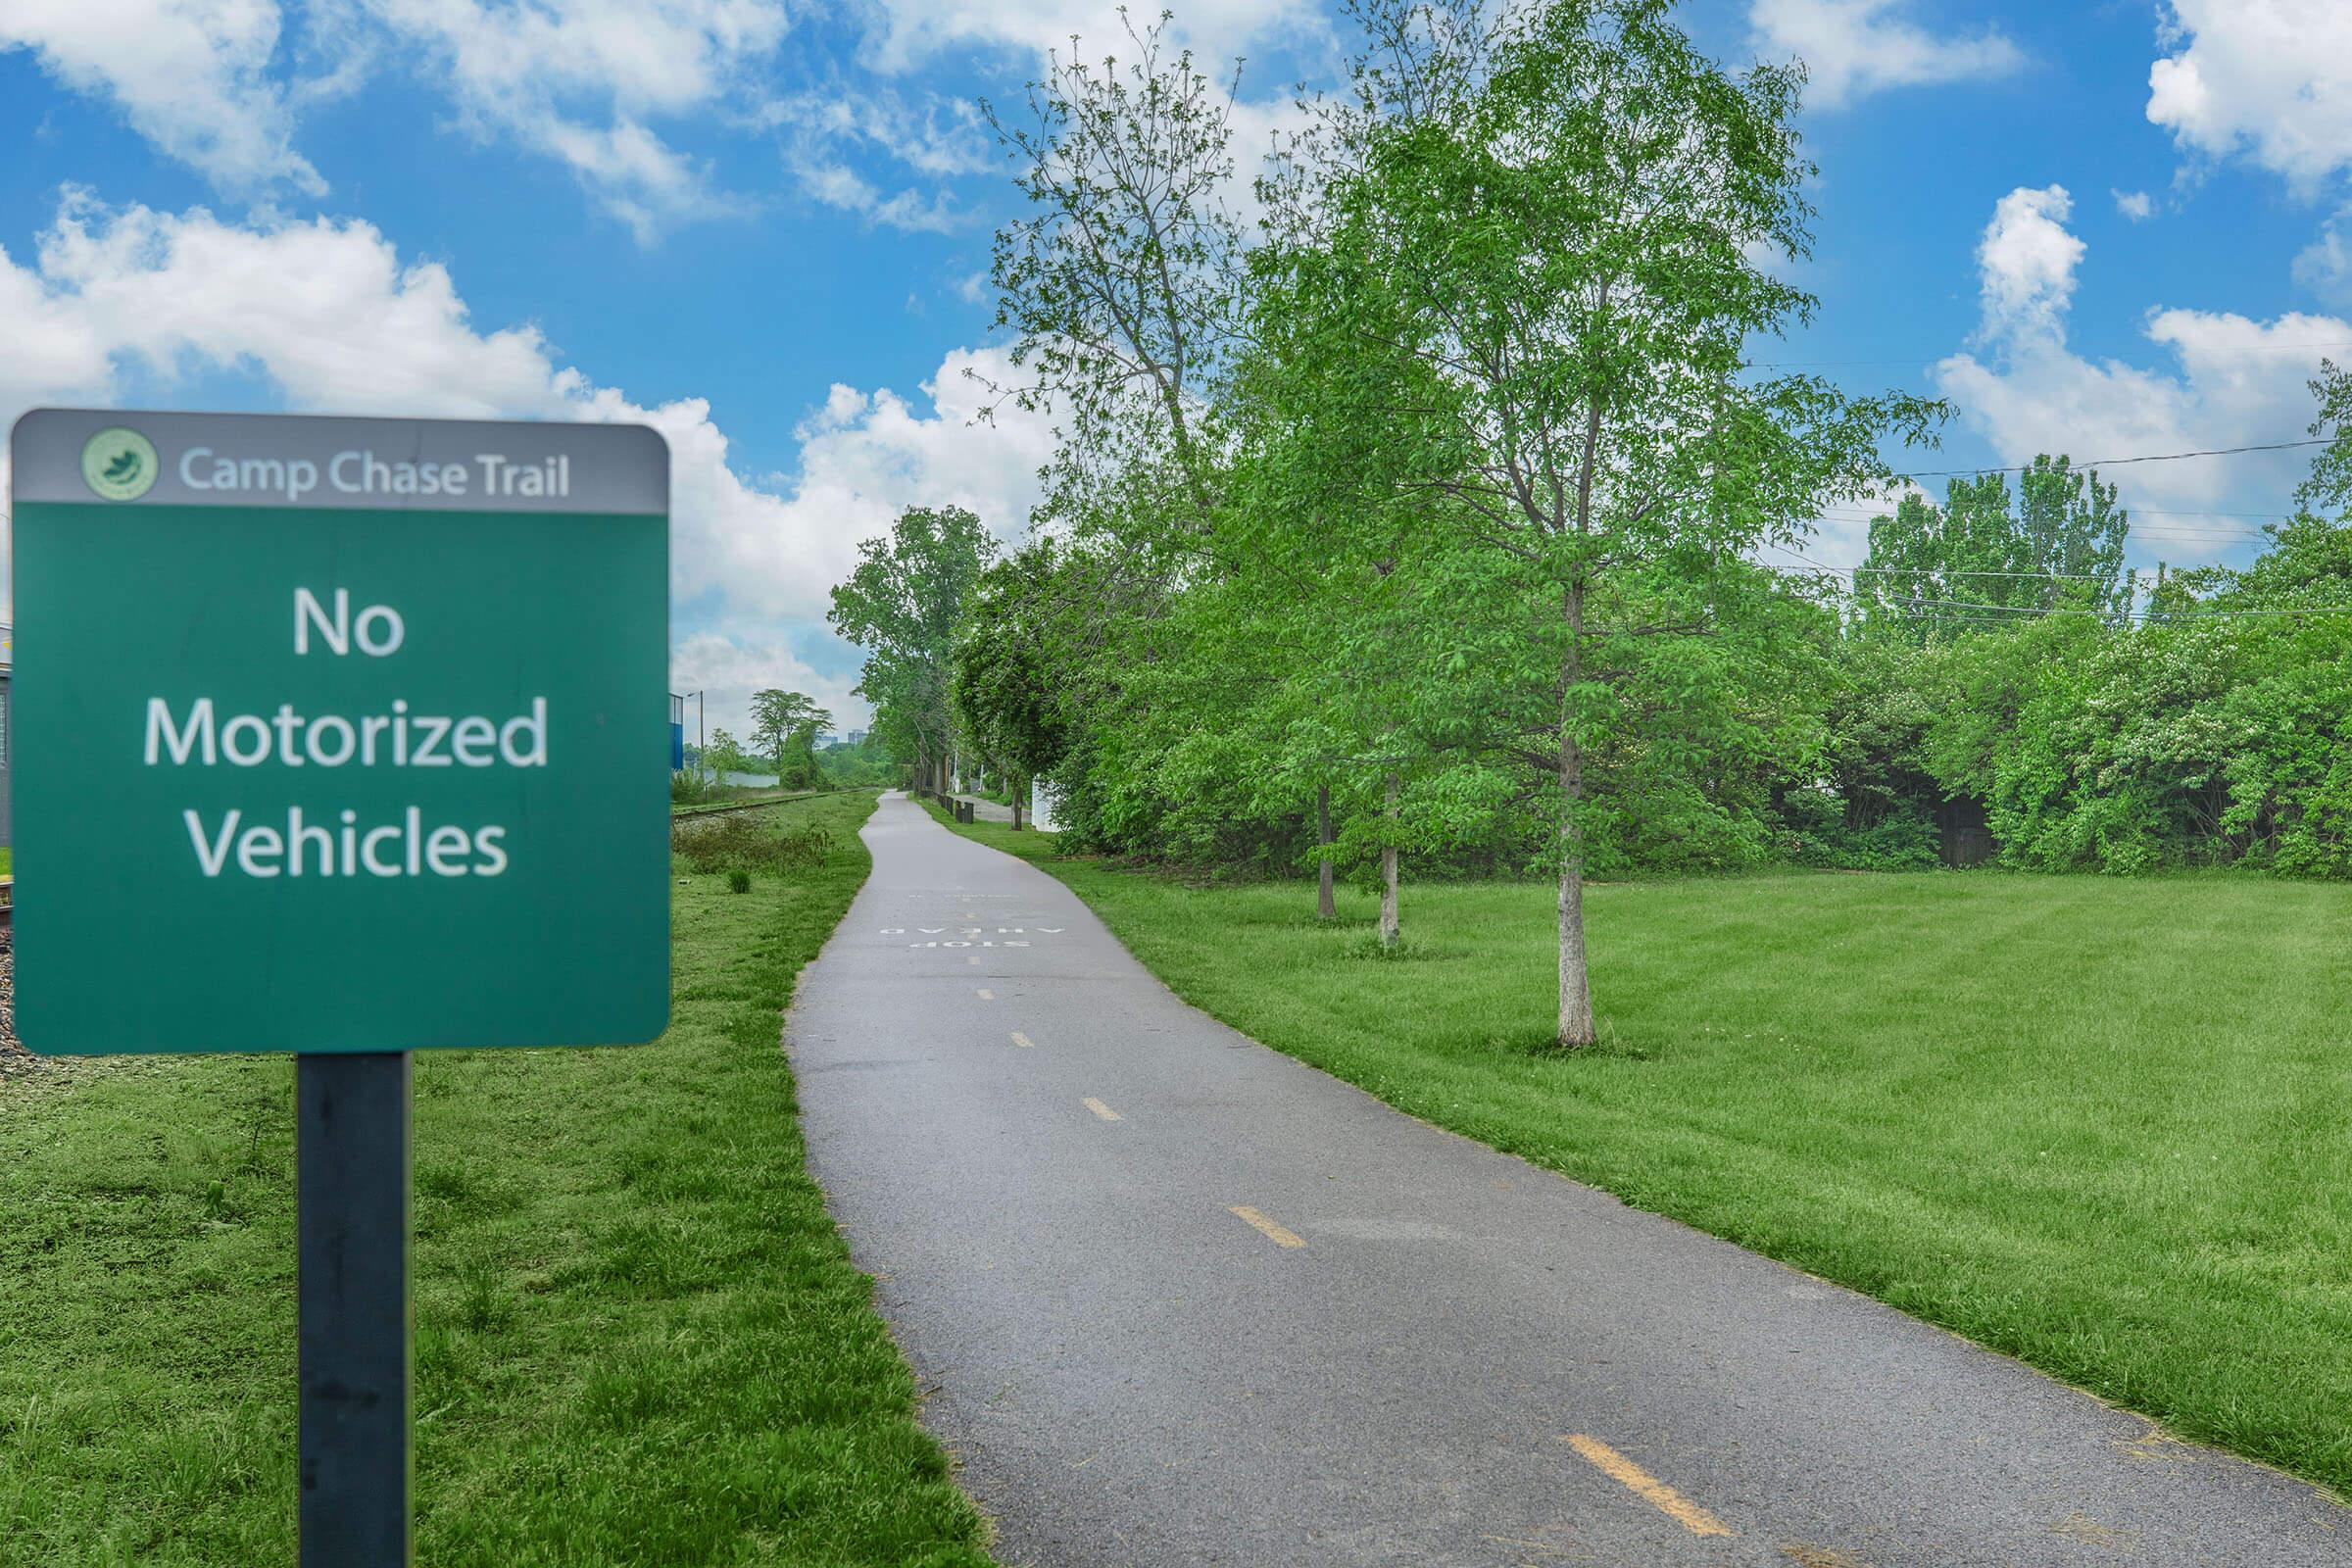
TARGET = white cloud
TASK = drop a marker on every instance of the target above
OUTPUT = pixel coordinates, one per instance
(2026, 263)
(907, 32)
(2272, 78)
(839, 186)
(728, 669)
(2324, 266)
(1856, 47)
(580, 80)
(2232, 381)
(329, 314)
(2135, 205)
(946, 136)
(190, 75)
(953, 139)
(325, 309)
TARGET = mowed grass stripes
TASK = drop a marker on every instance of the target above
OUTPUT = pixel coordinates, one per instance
(2103, 1125)
(639, 1337)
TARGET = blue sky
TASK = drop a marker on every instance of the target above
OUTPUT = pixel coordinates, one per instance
(2109, 227)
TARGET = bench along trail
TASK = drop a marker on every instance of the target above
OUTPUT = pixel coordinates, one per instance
(1178, 1299)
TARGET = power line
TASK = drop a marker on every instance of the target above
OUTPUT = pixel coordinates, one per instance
(1976, 612)
(1936, 571)
(2131, 615)
(2136, 530)
(2117, 462)
(2138, 511)
(2187, 512)
(2159, 532)
(1946, 353)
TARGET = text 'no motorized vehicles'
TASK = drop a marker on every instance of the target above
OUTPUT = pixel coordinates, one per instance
(342, 846)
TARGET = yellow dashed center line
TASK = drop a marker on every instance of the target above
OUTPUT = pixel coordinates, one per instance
(1024, 1041)
(1277, 1234)
(1668, 1501)
(1101, 1109)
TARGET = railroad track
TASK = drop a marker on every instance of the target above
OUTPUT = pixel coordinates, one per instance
(693, 811)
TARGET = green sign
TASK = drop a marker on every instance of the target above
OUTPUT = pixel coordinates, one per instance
(339, 734)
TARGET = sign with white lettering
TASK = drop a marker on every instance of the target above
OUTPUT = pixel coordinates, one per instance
(339, 734)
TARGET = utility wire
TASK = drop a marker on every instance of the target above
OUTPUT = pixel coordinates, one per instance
(1937, 571)
(1946, 353)
(2117, 462)
(1980, 614)
(2110, 615)
(1850, 510)
(2133, 573)
(1852, 514)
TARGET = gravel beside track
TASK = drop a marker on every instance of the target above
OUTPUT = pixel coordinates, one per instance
(13, 1057)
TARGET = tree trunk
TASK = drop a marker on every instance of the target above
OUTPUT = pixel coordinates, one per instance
(1017, 789)
(1390, 926)
(1576, 1029)
(1326, 907)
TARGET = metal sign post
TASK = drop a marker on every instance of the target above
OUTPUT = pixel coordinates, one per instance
(351, 1158)
(347, 738)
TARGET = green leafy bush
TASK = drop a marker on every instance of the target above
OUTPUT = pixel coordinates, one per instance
(748, 841)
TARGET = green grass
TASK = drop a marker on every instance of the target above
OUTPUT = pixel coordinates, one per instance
(2102, 1125)
(639, 1339)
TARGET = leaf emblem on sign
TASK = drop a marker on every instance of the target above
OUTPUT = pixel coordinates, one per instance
(119, 465)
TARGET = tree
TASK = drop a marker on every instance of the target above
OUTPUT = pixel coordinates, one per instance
(1009, 672)
(1127, 287)
(1981, 561)
(786, 725)
(1121, 284)
(1538, 230)
(724, 753)
(902, 604)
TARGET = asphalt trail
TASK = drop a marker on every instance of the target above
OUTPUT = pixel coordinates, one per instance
(1177, 1300)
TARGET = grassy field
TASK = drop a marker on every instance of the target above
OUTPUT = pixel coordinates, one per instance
(639, 1339)
(2102, 1125)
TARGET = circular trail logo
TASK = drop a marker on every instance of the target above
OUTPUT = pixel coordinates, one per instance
(119, 465)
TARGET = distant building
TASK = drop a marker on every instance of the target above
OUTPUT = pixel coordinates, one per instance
(857, 737)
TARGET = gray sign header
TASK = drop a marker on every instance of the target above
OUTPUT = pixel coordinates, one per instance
(120, 456)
